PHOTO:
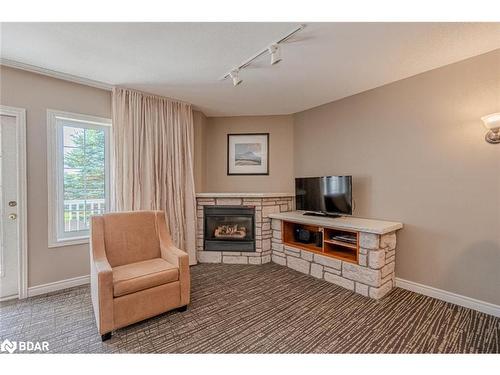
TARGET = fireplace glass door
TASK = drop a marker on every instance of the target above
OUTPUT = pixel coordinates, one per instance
(229, 228)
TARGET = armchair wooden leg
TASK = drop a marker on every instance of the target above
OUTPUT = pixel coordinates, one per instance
(106, 336)
(182, 308)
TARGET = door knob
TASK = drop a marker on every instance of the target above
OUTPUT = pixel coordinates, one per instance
(12, 203)
(12, 216)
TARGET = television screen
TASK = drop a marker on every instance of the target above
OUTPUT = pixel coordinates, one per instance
(327, 194)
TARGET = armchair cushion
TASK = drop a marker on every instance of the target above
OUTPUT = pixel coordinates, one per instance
(134, 277)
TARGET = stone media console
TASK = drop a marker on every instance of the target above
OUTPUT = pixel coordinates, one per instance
(354, 253)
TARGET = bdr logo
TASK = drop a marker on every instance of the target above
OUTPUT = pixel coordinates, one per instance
(24, 346)
(8, 346)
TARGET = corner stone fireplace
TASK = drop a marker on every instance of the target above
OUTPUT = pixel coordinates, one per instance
(235, 241)
(229, 228)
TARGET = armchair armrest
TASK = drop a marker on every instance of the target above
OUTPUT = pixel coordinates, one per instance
(101, 278)
(174, 256)
(180, 259)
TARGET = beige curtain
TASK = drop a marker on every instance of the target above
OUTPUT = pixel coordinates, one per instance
(153, 161)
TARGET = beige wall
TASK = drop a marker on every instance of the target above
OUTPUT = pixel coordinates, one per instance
(37, 93)
(280, 129)
(417, 152)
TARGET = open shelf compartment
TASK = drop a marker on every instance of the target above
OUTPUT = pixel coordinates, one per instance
(289, 236)
(336, 243)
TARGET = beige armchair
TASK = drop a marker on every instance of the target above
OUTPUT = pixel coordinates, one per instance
(136, 271)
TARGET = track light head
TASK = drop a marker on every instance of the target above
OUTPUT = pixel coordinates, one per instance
(274, 51)
(235, 76)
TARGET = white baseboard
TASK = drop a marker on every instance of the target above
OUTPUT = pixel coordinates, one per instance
(8, 298)
(457, 299)
(58, 285)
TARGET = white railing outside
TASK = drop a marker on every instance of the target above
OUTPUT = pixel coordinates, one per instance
(77, 213)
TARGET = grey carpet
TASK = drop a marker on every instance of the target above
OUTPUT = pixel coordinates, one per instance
(260, 309)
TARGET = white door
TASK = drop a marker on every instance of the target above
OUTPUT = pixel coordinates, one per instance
(9, 206)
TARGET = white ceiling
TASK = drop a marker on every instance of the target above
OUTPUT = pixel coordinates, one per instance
(325, 62)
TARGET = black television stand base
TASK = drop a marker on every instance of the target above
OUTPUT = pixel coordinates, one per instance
(322, 214)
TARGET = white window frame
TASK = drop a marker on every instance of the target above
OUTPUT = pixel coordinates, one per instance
(55, 172)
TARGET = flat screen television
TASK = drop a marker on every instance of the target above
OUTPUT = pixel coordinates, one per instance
(327, 195)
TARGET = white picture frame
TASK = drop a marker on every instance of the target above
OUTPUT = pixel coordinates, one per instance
(248, 154)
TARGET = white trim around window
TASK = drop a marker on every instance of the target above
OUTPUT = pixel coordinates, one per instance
(55, 173)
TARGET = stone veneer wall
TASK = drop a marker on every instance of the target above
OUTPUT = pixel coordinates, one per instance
(263, 232)
(373, 276)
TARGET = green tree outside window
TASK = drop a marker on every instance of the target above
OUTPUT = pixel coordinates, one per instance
(84, 166)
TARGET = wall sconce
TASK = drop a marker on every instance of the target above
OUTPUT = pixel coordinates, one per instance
(492, 123)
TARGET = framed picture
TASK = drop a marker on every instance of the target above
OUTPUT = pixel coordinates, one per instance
(248, 154)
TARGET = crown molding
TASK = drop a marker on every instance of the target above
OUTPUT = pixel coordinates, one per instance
(70, 78)
(55, 74)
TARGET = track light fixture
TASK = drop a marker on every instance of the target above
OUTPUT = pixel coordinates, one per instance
(273, 50)
(235, 76)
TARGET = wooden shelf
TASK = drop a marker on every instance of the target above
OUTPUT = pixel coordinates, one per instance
(341, 243)
(332, 248)
(304, 246)
(350, 255)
